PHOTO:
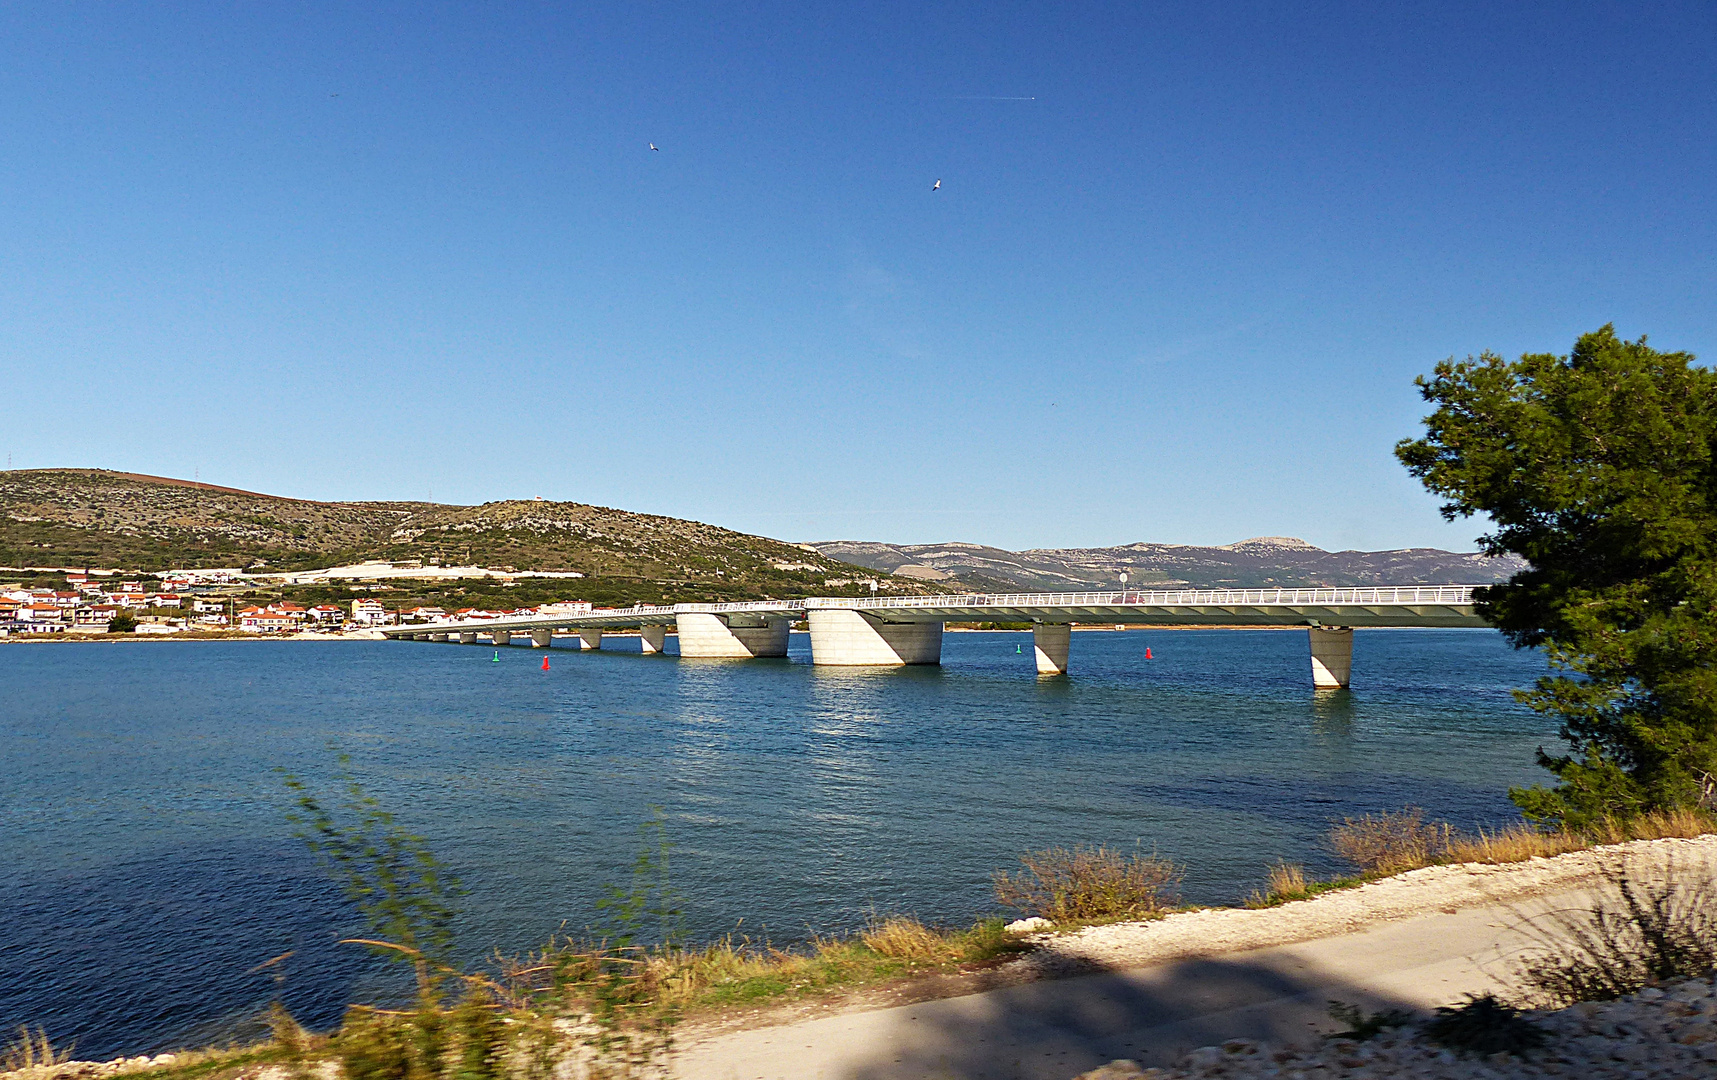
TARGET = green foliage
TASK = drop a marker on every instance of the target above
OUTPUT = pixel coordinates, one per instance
(122, 623)
(1598, 469)
(650, 900)
(400, 887)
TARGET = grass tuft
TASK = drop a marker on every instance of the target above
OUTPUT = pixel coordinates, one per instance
(1081, 883)
(31, 1049)
(1391, 841)
(903, 937)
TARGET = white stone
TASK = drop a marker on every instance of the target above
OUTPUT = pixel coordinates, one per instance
(1026, 926)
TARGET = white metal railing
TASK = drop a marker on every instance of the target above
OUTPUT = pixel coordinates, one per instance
(1394, 596)
(744, 605)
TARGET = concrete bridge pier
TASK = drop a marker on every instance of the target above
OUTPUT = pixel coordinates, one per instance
(590, 638)
(1332, 656)
(709, 636)
(438, 637)
(1051, 642)
(501, 637)
(653, 638)
(542, 639)
(467, 637)
(844, 637)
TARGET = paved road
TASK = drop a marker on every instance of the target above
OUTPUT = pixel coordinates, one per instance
(1056, 1029)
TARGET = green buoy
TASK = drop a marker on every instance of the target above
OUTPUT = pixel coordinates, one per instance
(497, 659)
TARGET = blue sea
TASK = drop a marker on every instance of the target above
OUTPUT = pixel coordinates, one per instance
(150, 869)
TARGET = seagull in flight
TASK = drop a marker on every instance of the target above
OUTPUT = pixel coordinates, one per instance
(656, 148)
(937, 186)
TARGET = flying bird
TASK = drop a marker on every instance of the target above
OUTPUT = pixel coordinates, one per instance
(937, 186)
(656, 148)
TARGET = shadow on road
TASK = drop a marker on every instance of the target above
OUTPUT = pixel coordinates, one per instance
(1055, 1030)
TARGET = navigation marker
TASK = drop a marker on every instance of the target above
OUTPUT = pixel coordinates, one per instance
(497, 659)
(545, 663)
(1147, 652)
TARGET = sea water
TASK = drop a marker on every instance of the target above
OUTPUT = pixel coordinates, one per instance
(151, 874)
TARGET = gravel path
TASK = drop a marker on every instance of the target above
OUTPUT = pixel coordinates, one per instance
(1659, 1034)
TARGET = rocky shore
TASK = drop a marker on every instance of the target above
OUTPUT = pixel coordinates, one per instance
(1667, 1033)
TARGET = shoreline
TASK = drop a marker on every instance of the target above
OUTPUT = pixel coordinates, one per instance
(1196, 935)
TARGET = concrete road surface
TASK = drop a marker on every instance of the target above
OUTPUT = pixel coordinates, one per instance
(1053, 1030)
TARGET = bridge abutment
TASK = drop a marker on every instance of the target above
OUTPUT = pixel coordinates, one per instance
(1332, 656)
(847, 638)
(653, 638)
(1051, 642)
(710, 636)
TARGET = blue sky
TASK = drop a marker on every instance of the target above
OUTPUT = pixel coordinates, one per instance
(1178, 294)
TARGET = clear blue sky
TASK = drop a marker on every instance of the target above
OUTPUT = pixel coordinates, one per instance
(1179, 294)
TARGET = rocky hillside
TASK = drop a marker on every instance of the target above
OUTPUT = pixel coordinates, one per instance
(78, 517)
(1259, 563)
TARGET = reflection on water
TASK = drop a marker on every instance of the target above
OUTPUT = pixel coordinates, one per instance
(139, 806)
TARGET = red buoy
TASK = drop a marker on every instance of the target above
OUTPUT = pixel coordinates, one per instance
(545, 663)
(1147, 655)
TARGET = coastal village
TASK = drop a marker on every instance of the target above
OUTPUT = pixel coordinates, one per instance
(204, 601)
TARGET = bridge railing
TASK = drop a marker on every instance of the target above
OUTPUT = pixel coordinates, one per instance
(1392, 596)
(743, 605)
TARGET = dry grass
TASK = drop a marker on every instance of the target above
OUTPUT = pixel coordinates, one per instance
(1389, 842)
(1392, 842)
(903, 937)
(739, 971)
(31, 1049)
(1081, 884)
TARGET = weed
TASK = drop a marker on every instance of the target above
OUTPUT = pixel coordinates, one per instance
(651, 896)
(402, 889)
(903, 937)
(1390, 841)
(1633, 936)
(1484, 1025)
(30, 1049)
(1363, 1025)
(1083, 883)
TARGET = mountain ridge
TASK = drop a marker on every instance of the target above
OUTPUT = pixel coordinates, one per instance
(1257, 562)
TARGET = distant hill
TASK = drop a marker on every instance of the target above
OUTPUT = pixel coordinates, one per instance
(78, 517)
(1264, 562)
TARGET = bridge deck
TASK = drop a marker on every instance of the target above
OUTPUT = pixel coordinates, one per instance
(1413, 605)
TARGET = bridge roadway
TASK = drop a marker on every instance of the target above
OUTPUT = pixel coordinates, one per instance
(883, 631)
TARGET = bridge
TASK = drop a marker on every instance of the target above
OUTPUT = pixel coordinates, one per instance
(891, 631)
